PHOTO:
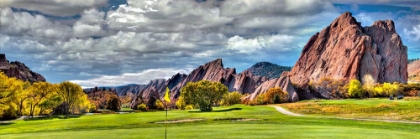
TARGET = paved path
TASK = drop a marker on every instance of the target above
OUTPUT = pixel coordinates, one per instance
(284, 111)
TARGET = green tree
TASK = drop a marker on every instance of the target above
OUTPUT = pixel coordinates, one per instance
(71, 94)
(355, 89)
(204, 93)
(231, 98)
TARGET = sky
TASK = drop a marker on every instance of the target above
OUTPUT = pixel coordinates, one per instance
(117, 42)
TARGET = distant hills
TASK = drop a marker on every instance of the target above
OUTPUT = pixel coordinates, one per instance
(268, 69)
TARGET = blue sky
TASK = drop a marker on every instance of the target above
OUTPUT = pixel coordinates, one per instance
(116, 42)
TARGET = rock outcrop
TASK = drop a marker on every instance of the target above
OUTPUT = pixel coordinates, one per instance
(414, 71)
(282, 82)
(267, 69)
(20, 71)
(346, 50)
(214, 71)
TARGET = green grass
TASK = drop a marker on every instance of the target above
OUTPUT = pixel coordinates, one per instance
(385, 109)
(217, 124)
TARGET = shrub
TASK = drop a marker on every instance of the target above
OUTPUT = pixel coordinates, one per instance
(259, 100)
(276, 95)
(142, 107)
(159, 105)
(355, 89)
(189, 107)
(336, 87)
(180, 103)
(231, 98)
(369, 84)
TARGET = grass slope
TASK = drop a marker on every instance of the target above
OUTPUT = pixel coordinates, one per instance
(220, 123)
(384, 109)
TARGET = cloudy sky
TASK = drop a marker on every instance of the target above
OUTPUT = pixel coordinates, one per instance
(116, 42)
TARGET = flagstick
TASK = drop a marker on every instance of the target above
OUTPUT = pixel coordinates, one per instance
(166, 120)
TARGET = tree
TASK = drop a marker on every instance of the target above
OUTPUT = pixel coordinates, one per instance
(204, 93)
(231, 98)
(8, 89)
(113, 102)
(70, 93)
(355, 89)
(39, 92)
(276, 95)
(23, 95)
(369, 84)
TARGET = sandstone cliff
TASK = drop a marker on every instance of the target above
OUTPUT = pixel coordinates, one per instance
(346, 50)
(20, 71)
(214, 71)
(414, 71)
(282, 82)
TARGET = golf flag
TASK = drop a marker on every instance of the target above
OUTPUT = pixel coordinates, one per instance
(167, 99)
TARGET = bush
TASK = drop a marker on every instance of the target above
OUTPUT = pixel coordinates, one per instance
(336, 87)
(259, 100)
(276, 95)
(189, 107)
(180, 103)
(355, 89)
(159, 105)
(142, 107)
(231, 98)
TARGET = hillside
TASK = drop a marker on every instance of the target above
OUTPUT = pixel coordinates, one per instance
(414, 71)
(267, 69)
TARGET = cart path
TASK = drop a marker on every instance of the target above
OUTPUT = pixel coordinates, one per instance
(284, 111)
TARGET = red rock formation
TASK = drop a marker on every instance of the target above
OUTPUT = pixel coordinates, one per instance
(414, 71)
(346, 50)
(20, 71)
(213, 71)
(283, 82)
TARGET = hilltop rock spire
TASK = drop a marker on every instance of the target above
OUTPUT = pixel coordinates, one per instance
(346, 50)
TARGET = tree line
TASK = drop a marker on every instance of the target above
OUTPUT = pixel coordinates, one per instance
(20, 98)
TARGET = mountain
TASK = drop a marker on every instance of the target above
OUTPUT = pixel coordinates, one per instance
(414, 71)
(244, 82)
(282, 82)
(19, 70)
(346, 50)
(267, 69)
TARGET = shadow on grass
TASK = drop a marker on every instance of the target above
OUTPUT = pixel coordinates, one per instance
(8, 123)
(52, 117)
(223, 110)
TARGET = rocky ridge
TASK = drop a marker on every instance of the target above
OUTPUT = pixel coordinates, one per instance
(20, 71)
(346, 50)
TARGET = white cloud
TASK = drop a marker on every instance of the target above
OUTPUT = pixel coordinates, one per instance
(142, 77)
(279, 43)
(414, 33)
(54, 7)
